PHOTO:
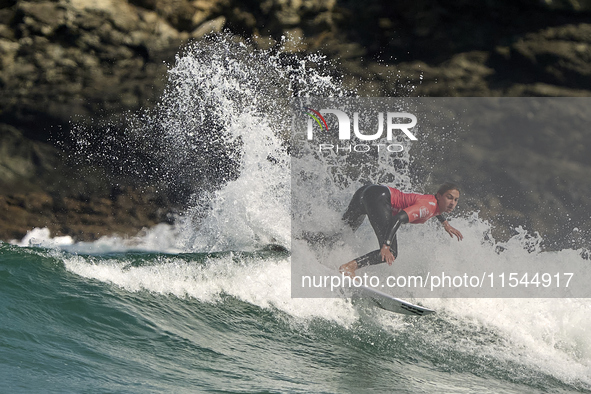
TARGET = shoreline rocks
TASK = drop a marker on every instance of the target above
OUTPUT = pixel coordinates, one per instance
(83, 218)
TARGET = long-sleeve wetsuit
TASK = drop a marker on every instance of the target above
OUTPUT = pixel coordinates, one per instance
(387, 208)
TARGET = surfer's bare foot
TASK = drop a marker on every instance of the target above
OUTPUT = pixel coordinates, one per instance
(348, 268)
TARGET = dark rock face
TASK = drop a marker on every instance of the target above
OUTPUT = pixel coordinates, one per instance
(62, 59)
(88, 60)
(81, 217)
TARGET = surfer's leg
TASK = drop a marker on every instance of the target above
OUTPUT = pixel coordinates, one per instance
(356, 212)
(379, 212)
(376, 201)
(374, 257)
(371, 258)
(377, 205)
(349, 268)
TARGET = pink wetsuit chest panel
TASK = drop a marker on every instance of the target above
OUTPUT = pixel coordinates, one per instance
(418, 207)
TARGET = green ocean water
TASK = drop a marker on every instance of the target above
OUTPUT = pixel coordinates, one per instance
(131, 322)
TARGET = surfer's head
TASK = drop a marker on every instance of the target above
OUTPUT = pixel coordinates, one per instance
(447, 197)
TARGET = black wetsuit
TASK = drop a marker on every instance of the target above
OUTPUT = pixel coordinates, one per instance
(375, 202)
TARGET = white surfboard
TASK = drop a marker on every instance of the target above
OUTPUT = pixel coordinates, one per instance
(392, 304)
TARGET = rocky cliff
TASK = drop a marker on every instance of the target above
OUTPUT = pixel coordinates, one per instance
(87, 61)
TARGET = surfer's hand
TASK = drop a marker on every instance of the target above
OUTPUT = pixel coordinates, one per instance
(387, 255)
(452, 231)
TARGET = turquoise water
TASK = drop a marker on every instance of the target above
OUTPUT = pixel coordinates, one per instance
(196, 322)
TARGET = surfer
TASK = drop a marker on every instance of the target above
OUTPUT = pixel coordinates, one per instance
(387, 208)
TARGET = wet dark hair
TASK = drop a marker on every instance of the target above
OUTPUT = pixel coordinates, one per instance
(447, 186)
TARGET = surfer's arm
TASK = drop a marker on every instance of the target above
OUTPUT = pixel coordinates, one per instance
(386, 252)
(450, 230)
(400, 218)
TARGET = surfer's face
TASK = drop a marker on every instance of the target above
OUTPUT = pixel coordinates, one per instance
(448, 200)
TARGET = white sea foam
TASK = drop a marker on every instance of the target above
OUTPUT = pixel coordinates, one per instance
(262, 282)
(42, 237)
(160, 238)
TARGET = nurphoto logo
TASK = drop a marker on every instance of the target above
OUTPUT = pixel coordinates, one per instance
(395, 121)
